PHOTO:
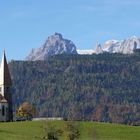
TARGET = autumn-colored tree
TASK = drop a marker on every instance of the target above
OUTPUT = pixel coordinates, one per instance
(25, 110)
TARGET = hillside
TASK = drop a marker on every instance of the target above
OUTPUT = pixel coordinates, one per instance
(81, 87)
(88, 131)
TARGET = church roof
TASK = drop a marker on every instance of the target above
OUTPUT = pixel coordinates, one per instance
(2, 99)
(5, 78)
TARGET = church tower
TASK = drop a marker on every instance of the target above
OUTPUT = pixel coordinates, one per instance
(6, 112)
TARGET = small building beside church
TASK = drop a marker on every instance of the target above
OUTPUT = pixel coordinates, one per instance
(6, 112)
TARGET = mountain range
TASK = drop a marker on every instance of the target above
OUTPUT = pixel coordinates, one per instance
(126, 46)
(56, 44)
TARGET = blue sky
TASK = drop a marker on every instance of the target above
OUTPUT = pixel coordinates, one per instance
(26, 24)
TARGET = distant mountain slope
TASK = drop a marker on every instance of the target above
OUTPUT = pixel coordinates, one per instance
(126, 46)
(101, 87)
(55, 44)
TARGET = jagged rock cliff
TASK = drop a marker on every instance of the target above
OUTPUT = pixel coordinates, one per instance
(55, 44)
(126, 46)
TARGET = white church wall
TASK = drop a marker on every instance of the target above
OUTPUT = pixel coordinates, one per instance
(3, 115)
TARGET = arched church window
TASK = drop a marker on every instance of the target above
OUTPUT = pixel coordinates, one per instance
(6, 110)
(3, 110)
(6, 89)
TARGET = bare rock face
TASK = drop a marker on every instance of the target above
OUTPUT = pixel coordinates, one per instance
(99, 49)
(55, 44)
(126, 46)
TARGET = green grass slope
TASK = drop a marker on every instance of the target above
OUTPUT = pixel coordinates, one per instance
(89, 131)
(20, 130)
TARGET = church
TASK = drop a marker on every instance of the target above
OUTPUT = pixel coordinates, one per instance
(6, 112)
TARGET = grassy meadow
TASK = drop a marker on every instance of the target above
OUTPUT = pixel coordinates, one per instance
(33, 130)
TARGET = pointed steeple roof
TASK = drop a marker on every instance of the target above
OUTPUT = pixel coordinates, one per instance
(5, 78)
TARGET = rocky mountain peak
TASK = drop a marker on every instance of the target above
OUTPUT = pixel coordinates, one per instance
(58, 34)
(126, 46)
(55, 37)
(98, 49)
(55, 44)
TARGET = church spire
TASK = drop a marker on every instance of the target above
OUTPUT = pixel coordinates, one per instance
(5, 91)
(5, 78)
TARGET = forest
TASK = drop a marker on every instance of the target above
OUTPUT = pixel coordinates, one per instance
(104, 87)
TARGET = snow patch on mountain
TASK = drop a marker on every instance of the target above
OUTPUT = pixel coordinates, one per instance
(85, 51)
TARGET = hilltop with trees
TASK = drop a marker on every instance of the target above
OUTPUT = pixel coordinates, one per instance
(102, 87)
